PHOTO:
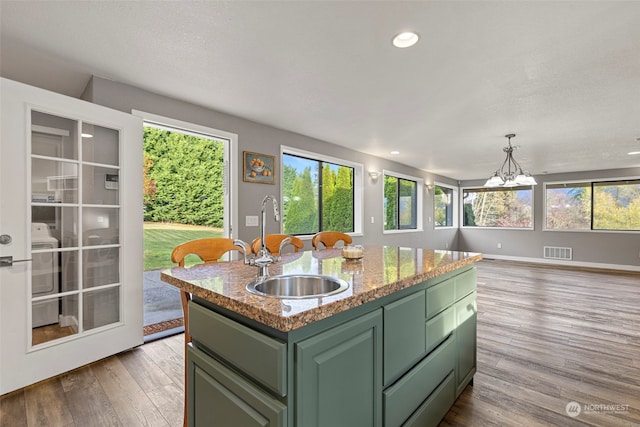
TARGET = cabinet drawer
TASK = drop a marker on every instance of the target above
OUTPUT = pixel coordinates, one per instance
(440, 297)
(436, 407)
(220, 397)
(466, 283)
(402, 399)
(439, 327)
(259, 356)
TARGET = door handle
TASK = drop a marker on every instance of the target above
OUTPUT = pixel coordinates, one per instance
(5, 239)
(7, 261)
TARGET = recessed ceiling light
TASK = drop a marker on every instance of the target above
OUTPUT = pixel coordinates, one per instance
(395, 153)
(405, 39)
(633, 153)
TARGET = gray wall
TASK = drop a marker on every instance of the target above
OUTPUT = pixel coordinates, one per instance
(595, 247)
(264, 139)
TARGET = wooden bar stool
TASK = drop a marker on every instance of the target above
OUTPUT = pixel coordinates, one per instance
(208, 250)
(329, 239)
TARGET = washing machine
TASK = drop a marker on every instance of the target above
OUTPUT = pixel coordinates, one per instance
(44, 277)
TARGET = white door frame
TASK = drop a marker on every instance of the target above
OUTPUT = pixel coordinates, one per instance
(230, 178)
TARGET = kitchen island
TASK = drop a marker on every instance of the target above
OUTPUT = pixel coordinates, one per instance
(396, 348)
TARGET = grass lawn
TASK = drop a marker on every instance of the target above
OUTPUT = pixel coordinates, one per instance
(161, 238)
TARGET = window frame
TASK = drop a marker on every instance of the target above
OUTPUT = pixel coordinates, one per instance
(454, 206)
(475, 227)
(419, 202)
(358, 184)
(591, 183)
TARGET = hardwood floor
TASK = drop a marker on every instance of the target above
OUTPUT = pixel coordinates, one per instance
(546, 337)
(140, 387)
(551, 336)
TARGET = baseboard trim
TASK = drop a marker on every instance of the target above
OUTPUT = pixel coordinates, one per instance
(577, 264)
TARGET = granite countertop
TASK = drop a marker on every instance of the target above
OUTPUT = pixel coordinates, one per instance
(382, 271)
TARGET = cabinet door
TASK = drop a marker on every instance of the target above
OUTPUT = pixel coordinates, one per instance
(466, 340)
(218, 397)
(405, 340)
(338, 375)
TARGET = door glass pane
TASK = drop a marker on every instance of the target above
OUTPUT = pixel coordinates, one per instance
(101, 267)
(60, 222)
(101, 307)
(53, 136)
(99, 185)
(100, 226)
(54, 318)
(100, 144)
(69, 279)
(53, 181)
(67, 223)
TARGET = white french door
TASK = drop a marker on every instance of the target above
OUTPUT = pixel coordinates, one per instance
(70, 234)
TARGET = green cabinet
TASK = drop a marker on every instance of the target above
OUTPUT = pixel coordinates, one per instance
(338, 375)
(402, 398)
(219, 397)
(400, 360)
(465, 341)
(404, 335)
(430, 350)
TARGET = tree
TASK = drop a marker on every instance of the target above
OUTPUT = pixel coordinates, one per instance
(341, 215)
(498, 208)
(390, 203)
(289, 174)
(187, 172)
(616, 207)
(149, 185)
(328, 191)
(303, 214)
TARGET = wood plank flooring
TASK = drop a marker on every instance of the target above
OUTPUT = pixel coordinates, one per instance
(550, 336)
(546, 337)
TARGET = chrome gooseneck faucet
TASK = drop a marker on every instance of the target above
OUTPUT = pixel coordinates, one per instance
(263, 258)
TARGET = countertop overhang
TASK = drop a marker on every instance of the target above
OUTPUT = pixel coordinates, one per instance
(382, 271)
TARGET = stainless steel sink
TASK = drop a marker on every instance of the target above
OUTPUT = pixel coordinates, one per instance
(298, 286)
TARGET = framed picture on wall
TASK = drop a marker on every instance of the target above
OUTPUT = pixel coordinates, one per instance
(258, 168)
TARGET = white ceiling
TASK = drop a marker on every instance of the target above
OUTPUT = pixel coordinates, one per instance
(564, 76)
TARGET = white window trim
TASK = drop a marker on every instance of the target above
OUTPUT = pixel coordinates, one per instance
(358, 181)
(454, 205)
(230, 180)
(581, 181)
(419, 201)
(472, 227)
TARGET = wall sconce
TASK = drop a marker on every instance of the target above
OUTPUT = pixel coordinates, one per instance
(428, 187)
(374, 175)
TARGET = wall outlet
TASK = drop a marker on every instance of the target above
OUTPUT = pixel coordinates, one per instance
(372, 220)
(446, 245)
(251, 220)
(499, 245)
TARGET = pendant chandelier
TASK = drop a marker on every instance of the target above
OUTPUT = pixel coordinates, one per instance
(510, 173)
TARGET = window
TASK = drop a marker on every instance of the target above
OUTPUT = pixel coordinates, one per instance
(603, 205)
(402, 202)
(568, 206)
(443, 205)
(498, 207)
(319, 193)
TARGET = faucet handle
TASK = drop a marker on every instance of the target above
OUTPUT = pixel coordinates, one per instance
(286, 241)
(243, 245)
